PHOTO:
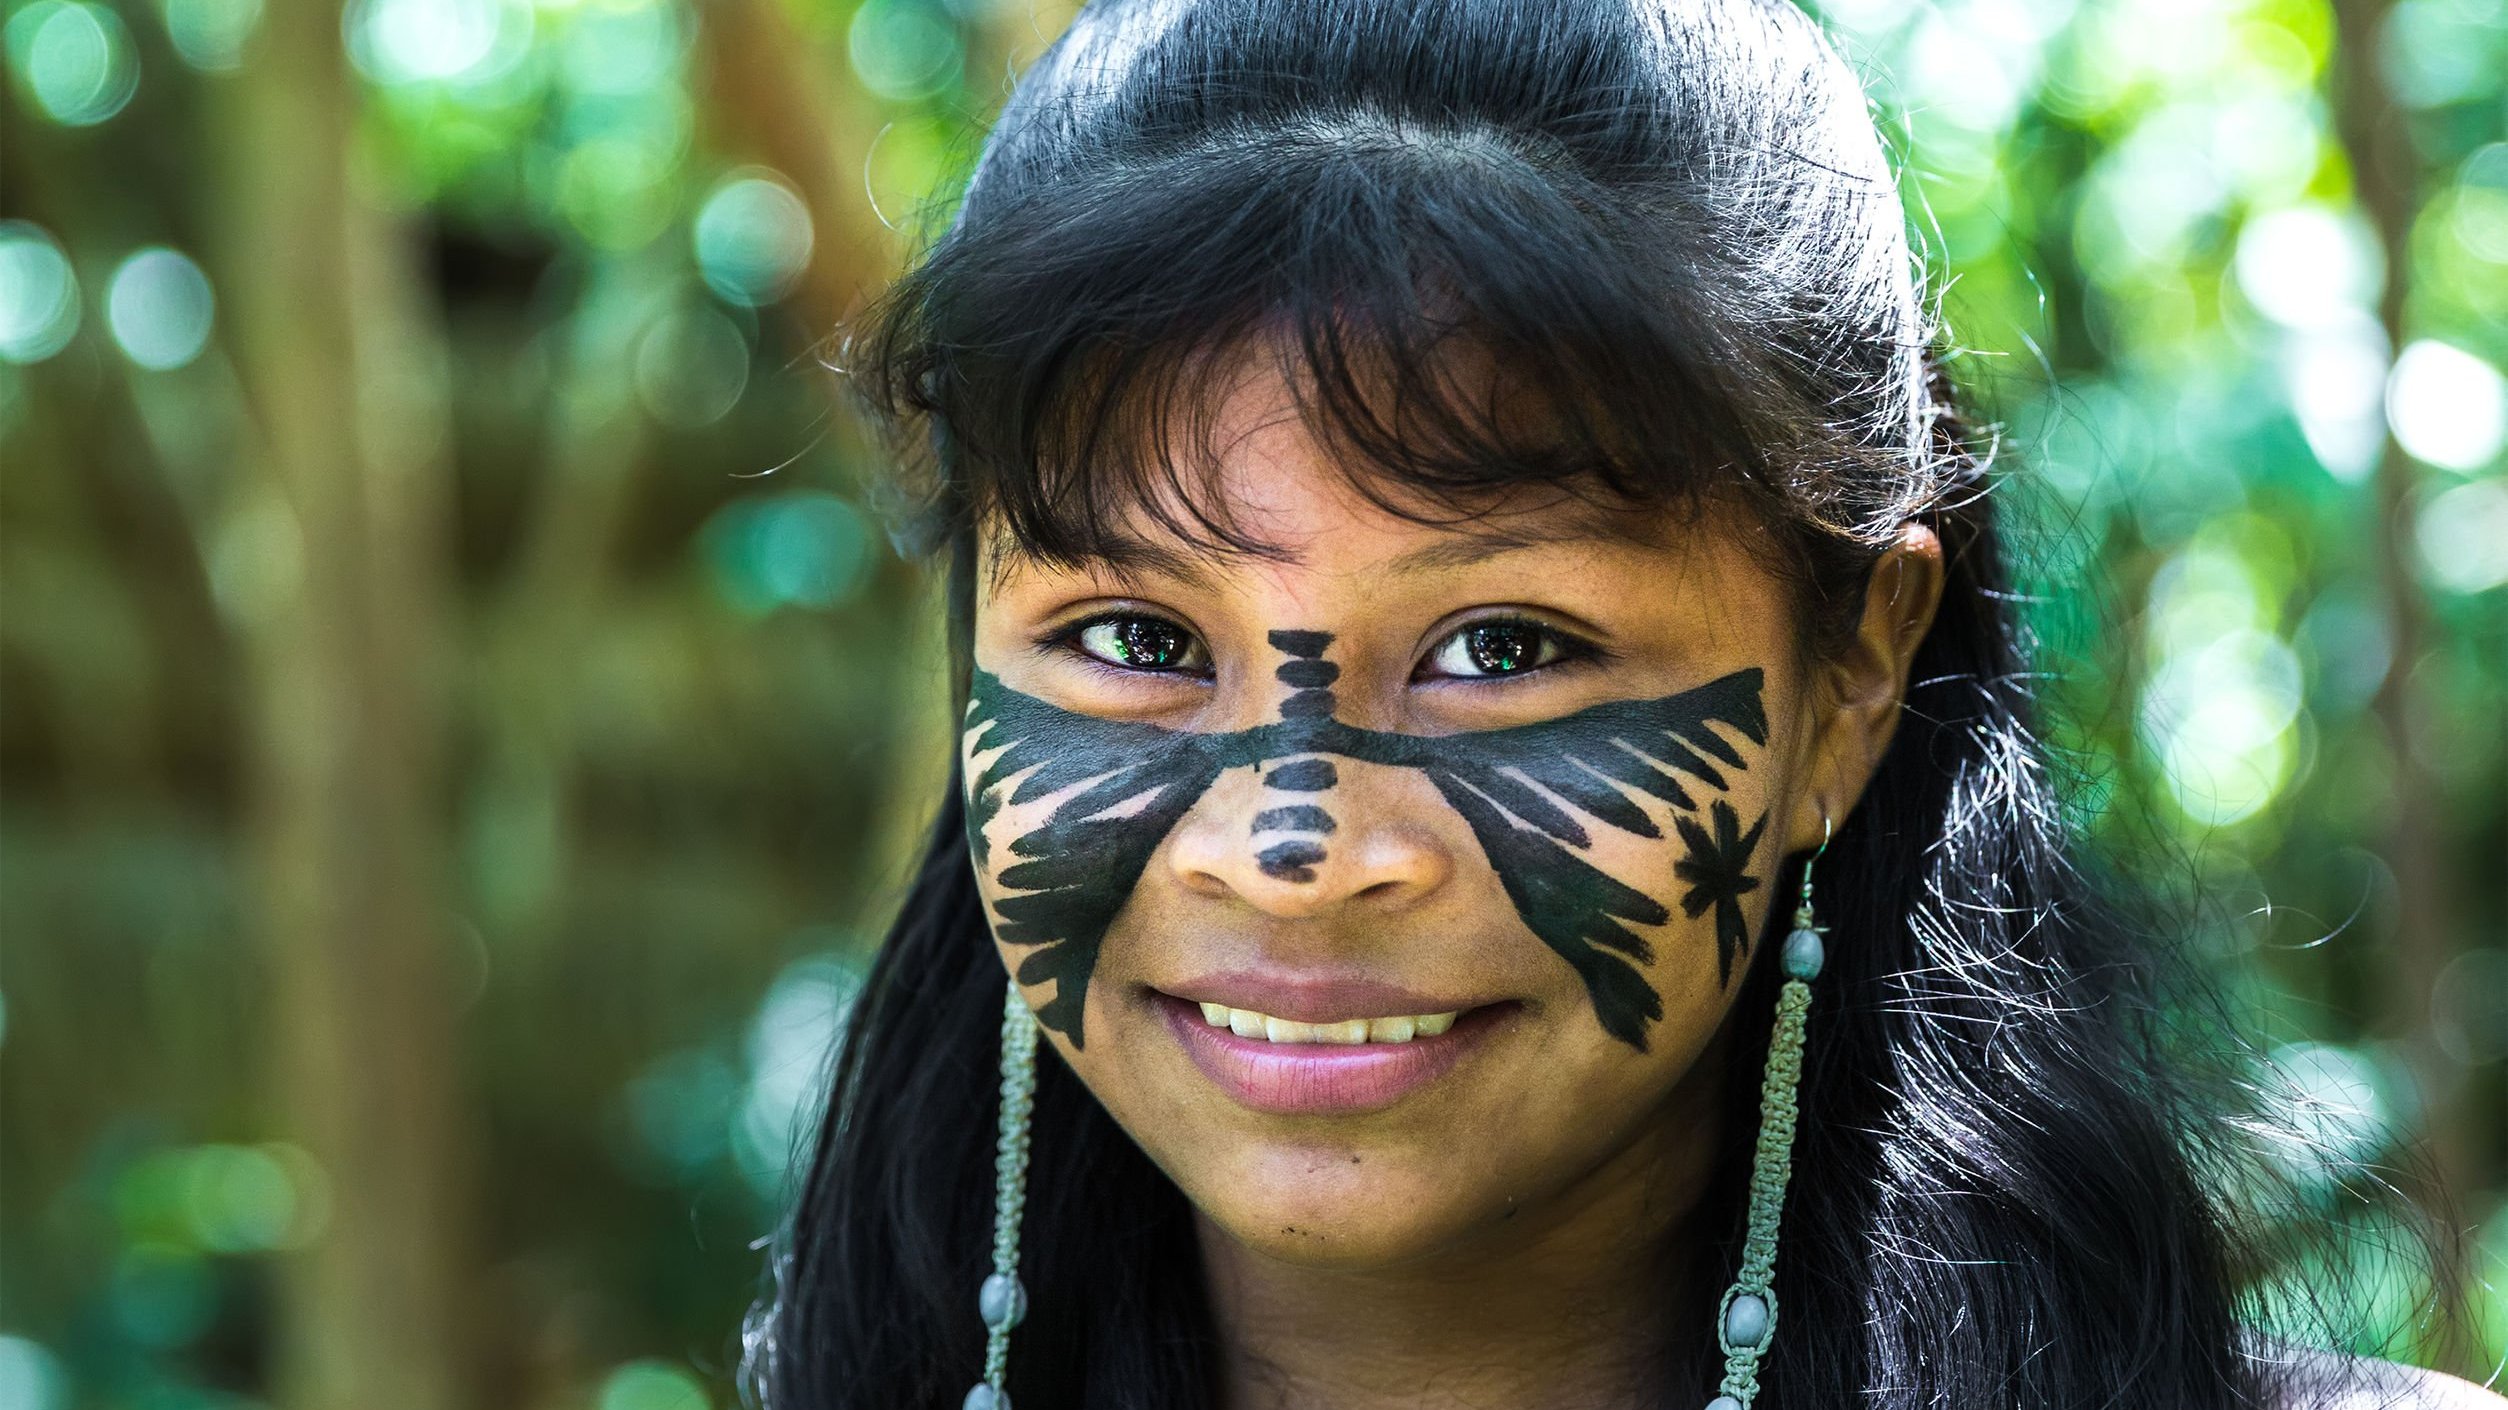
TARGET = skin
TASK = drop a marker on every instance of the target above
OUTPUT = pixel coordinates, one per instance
(1326, 782)
(1076, 870)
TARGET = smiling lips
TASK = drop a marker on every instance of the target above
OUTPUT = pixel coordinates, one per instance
(1291, 1067)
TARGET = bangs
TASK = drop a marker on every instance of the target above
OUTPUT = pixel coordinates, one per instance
(1458, 314)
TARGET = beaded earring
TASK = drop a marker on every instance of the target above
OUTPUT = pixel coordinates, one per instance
(1746, 1319)
(1003, 1301)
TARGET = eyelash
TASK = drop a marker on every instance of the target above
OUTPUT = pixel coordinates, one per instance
(1573, 650)
(1067, 639)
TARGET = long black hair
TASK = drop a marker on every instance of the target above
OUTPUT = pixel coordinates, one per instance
(1670, 226)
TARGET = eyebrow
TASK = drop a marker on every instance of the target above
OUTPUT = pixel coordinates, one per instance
(1476, 548)
(1132, 559)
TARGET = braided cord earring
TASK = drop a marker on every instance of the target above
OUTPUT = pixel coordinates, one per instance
(1003, 1301)
(1746, 1319)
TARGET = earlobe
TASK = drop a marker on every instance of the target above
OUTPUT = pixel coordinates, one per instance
(1863, 688)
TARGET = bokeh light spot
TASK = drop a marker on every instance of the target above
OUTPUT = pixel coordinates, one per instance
(624, 50)
(2436, 52)
(616, 189)
(805, 549)
(74, 59)
(2308, 267)
(2333, 378)
(753, 239)
(159, 306)
(907, 165)
(211, 34)
(2447, 406)
(2218, 721)
(222, 1198)
(399, 42)
(2480, 210)
(2336, 1102)
(2469, 1009)
(2463, 537)
(903, 50)
(30, 1376)
(1959, 76)
(790, 1041)
(2224, 691)
(2348, 647)
(677, 1110)
(38, 294)
(163, 1296)
(1867, 17)
(652, 1385)
(238, 1199)
(691, 367)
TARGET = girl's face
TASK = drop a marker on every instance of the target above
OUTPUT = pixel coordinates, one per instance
(1394, 887)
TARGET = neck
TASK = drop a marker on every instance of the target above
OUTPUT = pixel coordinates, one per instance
(1560, 1304)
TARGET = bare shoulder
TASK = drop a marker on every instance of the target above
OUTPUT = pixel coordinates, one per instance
(2412, 1388)
(2324, 1381)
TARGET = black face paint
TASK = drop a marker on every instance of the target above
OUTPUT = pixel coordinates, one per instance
(1081, 863)
(1296, 859)
(1717, 870)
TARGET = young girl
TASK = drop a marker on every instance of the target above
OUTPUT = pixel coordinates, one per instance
(1498, 771)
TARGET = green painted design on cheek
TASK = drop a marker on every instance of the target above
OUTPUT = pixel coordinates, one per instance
(1076, 868)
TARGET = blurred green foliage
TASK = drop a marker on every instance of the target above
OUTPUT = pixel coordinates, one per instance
(688, 694)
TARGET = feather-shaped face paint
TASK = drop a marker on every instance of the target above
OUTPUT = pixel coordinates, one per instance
(1074, 871)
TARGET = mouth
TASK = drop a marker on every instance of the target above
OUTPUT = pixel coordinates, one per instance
(1337, 1066)
(1352, 1032)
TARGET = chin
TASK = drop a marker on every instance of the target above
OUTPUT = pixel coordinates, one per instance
(1338, 1206)
(1338, 1223)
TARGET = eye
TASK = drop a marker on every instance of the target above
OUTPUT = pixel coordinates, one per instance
(1500, 647)
(1134, 642)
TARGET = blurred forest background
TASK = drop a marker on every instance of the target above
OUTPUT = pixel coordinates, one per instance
(444, 639)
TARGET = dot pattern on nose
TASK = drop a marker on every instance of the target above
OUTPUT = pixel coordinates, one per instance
(1310, 679)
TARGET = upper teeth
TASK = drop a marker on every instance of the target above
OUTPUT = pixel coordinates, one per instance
(1246, 1023)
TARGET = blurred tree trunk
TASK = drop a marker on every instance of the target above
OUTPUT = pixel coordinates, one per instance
(2427, 928)
(343, 370)
(591, 467)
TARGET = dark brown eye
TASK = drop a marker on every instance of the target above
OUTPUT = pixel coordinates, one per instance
(1140, 644)
(1500, 648)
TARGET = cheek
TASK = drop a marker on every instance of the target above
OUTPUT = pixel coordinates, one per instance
(1539, 1117)
(1711, 871)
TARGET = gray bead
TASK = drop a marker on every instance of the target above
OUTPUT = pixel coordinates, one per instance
(1002, 1303)
(1803, 954)
(1724, 1402)
(1745, 1320)
(984, 1397)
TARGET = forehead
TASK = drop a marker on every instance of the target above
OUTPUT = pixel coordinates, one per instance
(1248, 482)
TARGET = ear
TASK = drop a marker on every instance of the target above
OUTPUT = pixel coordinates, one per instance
(1855, 696)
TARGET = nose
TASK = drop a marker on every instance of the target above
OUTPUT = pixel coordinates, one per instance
(1305, 835)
